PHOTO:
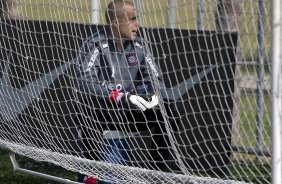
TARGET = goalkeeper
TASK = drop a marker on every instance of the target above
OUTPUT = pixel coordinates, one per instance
(114, 82)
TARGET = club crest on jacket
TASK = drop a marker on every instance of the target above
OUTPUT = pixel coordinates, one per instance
(131, 58)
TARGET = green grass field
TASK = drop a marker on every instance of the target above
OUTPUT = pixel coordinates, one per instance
(9, 176)
(254, 171)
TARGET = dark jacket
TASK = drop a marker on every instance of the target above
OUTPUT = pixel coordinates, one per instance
(101, 68)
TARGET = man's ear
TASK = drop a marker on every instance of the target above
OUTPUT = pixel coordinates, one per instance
(115, 22)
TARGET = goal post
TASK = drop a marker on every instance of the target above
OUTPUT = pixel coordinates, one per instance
(215, 61)
(276, 93)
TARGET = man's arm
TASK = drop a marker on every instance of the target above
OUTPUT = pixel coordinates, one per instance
(150, 74)
(87, 71)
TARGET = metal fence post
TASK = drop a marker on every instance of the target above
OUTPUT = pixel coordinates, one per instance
(261, 74)
(95, 13)
(201, 14)
(171, 13)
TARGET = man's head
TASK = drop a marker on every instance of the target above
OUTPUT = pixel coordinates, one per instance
(122, 16)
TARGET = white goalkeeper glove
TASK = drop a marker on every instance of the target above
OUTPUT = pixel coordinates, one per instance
(140, 102)
(143, 104)
(154, 102)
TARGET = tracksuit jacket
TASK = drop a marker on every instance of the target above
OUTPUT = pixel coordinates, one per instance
(102, 69)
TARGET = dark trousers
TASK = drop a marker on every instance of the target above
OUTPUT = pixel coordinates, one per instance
(94, 121)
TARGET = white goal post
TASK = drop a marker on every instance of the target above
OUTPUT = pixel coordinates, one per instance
(219, 113)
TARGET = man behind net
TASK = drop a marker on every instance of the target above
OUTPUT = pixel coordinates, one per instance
(115, 74)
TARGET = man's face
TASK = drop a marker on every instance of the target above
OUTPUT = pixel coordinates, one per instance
(128, 24)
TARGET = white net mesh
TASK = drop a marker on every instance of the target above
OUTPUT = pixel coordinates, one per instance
(212, 124)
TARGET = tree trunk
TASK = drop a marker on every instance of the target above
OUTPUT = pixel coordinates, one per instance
(228, 15)
(8, 10)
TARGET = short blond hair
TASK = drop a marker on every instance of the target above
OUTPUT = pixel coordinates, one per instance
(115, 9)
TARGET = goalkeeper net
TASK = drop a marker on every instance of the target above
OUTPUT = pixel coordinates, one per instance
(213, 120)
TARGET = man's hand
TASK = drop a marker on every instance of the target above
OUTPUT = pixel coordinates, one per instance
(140, 102)
(154, 102)
(115, 96)
(143, 104)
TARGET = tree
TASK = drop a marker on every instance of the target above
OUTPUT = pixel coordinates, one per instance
(8, 9)
(227, 19)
